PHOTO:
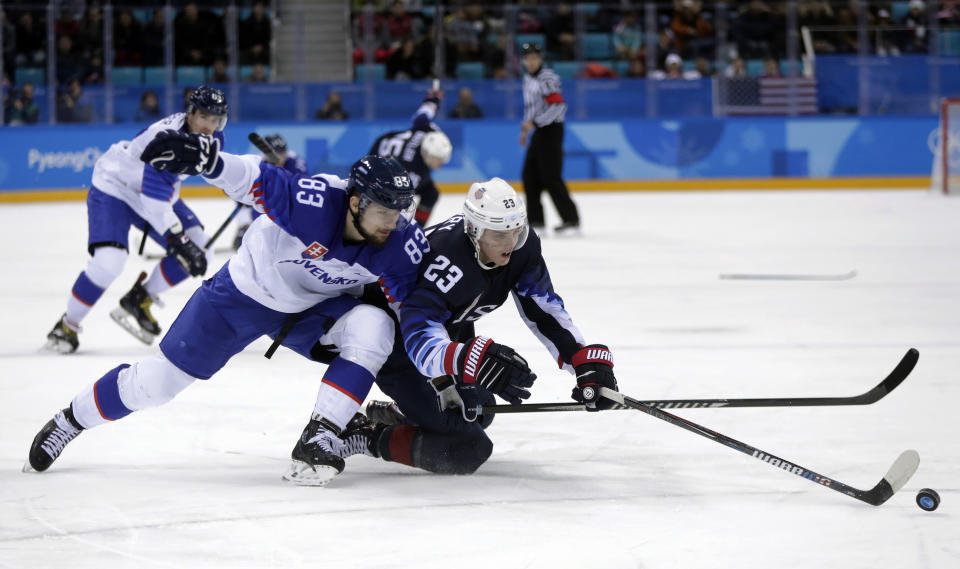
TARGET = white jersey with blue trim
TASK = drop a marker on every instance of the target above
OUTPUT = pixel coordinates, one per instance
(294, 256)
(151, 194)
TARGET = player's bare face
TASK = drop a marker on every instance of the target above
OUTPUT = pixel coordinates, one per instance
(532, 61)
(377, 222)
(203, 123)
(433, 162)
(497, 246)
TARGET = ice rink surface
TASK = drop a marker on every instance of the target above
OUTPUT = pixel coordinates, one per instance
(196, 483)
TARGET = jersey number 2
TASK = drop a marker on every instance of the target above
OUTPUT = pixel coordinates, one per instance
(444, 281)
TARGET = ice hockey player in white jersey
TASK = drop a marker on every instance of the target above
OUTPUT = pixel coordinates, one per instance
(476, 261)
(320, 240)
(126, 192)
(420, 149)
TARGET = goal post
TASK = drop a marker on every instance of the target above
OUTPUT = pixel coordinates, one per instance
(945, 175)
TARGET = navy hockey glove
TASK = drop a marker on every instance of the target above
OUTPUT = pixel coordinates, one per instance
(181, 153)
(187, 253)
(594, 367)
(496, 368)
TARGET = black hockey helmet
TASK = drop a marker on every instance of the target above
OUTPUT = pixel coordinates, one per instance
(530, 48)
(211, 101)
(381, 180)
(277, 143)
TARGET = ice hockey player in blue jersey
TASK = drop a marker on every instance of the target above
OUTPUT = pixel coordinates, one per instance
(476, 261)
(420, 149)
(281, 156)
(126, 192)
(320, 241)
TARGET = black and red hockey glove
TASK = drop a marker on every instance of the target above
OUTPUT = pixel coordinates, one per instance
(594, 367)
(496, 368)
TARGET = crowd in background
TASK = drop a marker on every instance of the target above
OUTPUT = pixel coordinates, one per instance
(399, 36)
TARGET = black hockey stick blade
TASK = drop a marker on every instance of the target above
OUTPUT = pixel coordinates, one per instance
(878, 392)
(895, 478)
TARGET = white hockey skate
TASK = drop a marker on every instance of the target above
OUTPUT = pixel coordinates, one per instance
(315, 458)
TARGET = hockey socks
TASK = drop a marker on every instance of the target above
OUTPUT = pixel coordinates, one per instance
(343, 389)
(167, 274)
(100, 402)
(83, 296)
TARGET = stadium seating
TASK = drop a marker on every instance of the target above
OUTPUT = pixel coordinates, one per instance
(35, 75)
(567, 69)
(470, 70)
(373, 71)
(597, 46)
(127, 76)
(190, 75)
(154, 75)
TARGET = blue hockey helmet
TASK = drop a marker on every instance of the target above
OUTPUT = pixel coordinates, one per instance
(211, 101)
(381, 180)
(277, 143)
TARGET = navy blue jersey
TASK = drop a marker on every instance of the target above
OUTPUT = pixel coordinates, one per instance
(404, 145)
(453, 290)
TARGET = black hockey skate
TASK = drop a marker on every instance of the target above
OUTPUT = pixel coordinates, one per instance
(133, 314)
(51, 440)
(62, 338)
(361, 436)
(316, 459)
(384, 412)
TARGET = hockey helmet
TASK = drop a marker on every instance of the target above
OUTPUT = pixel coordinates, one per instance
(211, 101)
(382, 180)
(277, 143)
(436, 149)
(494, 205)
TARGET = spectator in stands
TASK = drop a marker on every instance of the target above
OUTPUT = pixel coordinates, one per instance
(560, 33)
(886, 40)
(771, 68)
(703, 67)
(70, 63)
(463, 41)
(93, 69)
(495, 57)
(21, 108)
(637, 69)
(31, 42)
(149, 109)
(332, 109)
(399, 22)
(754, 29)
(916, 20)
(848, 40)
(627, 37)
(9, 46)
(692, 33)
(737, 69)
(200, 36)
(818, 14)
(674, 69)
(73, 105)
(465, 107)
(405, 62)
(66, 24)
(90, 39)
(127, 39)
(255, 32)
(153, 38)
(218, 74)
(258, 74)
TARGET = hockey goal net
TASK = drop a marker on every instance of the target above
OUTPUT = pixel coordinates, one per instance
(945, 178)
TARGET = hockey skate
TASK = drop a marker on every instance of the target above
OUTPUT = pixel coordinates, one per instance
(133, 314)
(384, 412)
(316, 459)
(51, 440)
(62, 338)
(361, 436)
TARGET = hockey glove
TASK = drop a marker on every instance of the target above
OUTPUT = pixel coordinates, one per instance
(449, 397)
(181, 153)
(496, 368)
(187, 253)
(594, 367)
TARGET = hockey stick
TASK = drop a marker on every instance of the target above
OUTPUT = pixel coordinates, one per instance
(789, 277)
(875, 394)
(264, 146)
(895, 478)
(216, 234)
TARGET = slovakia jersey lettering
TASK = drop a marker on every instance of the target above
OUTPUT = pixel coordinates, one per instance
(294, 256)
(150, 193)
(453, 291)
(404, 145)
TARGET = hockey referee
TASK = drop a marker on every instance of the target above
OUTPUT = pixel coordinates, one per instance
(543, 113)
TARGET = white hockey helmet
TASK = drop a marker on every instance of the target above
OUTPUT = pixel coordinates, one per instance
(494, 205)
(436, 149)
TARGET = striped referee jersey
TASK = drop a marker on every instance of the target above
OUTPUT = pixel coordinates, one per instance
(543, 103)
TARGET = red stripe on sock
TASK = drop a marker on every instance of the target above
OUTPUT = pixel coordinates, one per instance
(401, 444)
(82, 301)
(342, 390)
(96, 401)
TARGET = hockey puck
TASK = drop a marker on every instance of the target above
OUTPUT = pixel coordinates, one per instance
(928, 499)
